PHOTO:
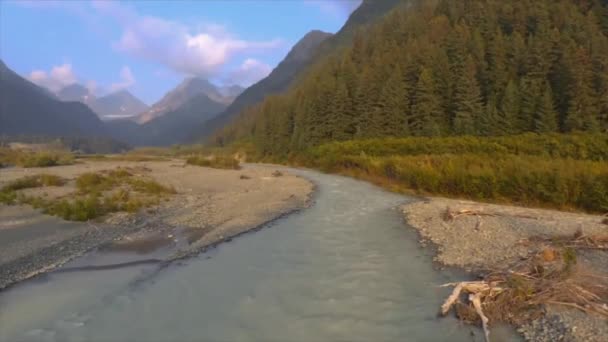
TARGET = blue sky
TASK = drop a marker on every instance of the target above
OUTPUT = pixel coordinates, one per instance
(149, 46)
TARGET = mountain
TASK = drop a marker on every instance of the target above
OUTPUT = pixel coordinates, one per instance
(75, 92)
(26, 109)
(232, 91)
(278, 80)
(446, 68)
(172, 128)
(185, 91)
(119, 104)
(367, 13)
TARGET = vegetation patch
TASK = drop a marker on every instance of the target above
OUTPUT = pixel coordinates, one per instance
(556, 171)
(28, 159)
(217, 162)
(8, 193)
(97, 194)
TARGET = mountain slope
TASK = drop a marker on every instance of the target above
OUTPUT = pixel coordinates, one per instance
(278, 80)
(26, 109)
(185, 91)
(172, 128)
(447, 68)
(75, 92)
(119, 104)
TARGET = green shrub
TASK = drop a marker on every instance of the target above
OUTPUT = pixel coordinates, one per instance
(149, 187)
(217, 162)
(553, 170)
(98, 194)
(45, 159)
(34, 181)
(575, 146)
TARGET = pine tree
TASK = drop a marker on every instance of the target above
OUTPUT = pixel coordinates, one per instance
(393, 116)
(510, 108)
(426, 109)
(546, 116)
(531, 90)
(582, 109)
(489, 123)
(467, 100)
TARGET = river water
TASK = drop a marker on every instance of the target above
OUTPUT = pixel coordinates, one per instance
(346, 269)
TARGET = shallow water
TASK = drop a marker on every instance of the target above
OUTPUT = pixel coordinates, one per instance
(346, 269)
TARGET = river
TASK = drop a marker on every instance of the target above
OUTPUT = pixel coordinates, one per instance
(346, 269)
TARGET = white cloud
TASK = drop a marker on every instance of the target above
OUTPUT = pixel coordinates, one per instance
(57, 78)
(249, 72)
(126, 80)
(63, 75)
(203, 51)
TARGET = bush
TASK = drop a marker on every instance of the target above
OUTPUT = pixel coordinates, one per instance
(575, 146)
(34, 182)
(45, 159)
(217, 162)
(559, 171)
(98, 194)
(149, 187)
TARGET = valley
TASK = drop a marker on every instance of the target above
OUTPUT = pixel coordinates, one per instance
(425, 170)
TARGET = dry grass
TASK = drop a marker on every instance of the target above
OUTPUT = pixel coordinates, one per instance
(215, 161)
(98, 194)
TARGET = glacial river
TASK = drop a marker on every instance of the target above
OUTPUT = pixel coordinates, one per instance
(346, 269)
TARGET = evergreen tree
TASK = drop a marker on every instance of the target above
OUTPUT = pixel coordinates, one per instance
(426, 108)
(447, 67)
(510, 108)
(546, 116)
(467, 100)
(582, 110)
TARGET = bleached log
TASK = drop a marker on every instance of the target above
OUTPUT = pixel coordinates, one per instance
(476, 300)
(449, 302)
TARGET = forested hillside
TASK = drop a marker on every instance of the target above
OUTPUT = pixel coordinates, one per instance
(442, 67)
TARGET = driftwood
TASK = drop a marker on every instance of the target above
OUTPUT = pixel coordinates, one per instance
(477, 290)
(450, 215)
(550, 276)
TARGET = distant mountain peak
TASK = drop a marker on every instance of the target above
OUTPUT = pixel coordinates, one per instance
(75, 92)
(119, 104)
(189, 88)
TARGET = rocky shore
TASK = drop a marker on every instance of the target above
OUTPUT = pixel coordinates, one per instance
(211, 206)
(481, 237)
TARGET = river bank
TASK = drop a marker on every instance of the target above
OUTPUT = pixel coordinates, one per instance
(210, 206)
(486, 237)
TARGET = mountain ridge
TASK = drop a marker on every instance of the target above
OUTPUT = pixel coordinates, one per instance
(278, 80)
(27, 109)
(186, 90)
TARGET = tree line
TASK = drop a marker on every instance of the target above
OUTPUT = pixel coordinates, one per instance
(444, 68)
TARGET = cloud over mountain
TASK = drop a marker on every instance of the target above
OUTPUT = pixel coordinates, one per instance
(203, 51)
(58, 77)
(126, 81)
(249, 72)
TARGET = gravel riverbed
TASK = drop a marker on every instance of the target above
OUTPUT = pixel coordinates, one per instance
(210, 206)
(490, 236)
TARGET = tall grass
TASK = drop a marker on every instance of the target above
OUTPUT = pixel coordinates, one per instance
(8, 193)
(557, 171)
(34, 159)
(218, 162)
(97, 194)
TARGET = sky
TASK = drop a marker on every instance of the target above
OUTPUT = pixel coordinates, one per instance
(147, 47)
